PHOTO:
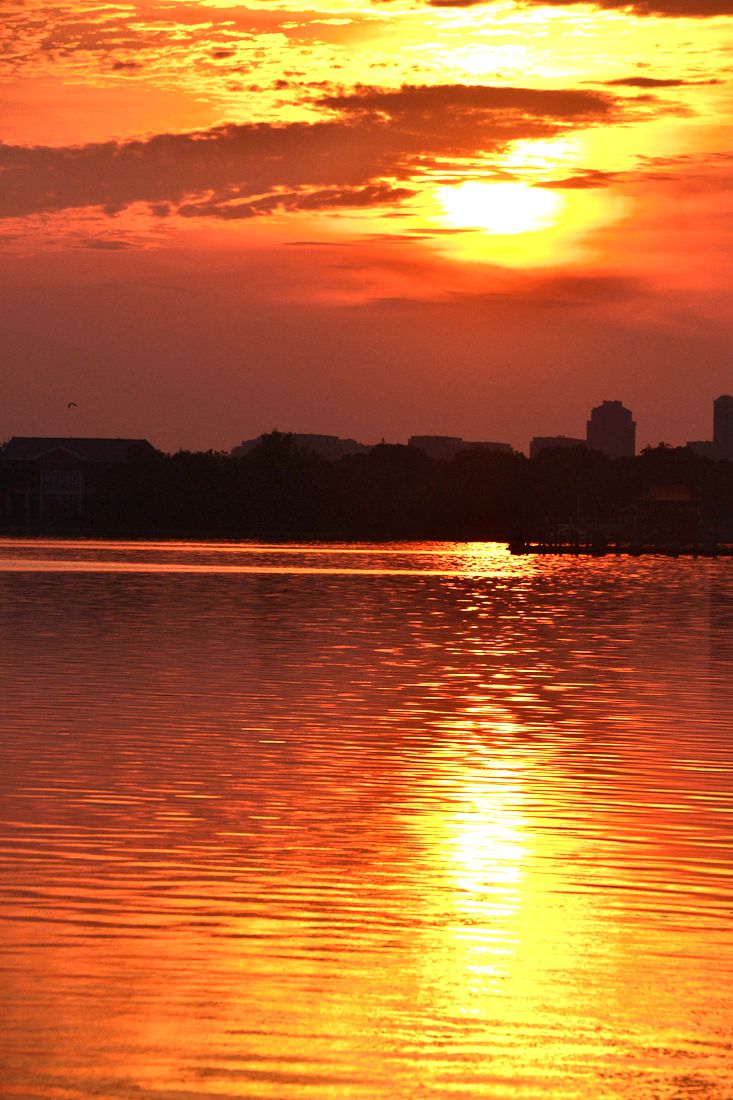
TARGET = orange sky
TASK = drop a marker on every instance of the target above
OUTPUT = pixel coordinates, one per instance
(368, 218)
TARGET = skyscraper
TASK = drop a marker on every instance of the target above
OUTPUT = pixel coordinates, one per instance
(612, 430)
(723, 426)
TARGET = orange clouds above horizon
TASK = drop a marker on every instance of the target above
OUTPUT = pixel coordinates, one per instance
(423, 149)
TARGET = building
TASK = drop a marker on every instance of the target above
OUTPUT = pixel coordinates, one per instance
(723, 426)
(721, 445)
(485, 445)
(668, 512)
(703, 447)
(440, 447)
(547, 442)
(612, 430)
(54, 479)
(445, 447)
(330, 447)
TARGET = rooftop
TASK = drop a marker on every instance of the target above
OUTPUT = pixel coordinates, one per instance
(24, 448)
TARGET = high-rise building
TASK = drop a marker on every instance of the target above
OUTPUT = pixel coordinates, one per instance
(612, 430)
(723, 426)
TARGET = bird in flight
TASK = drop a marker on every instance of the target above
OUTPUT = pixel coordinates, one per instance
(71, 405)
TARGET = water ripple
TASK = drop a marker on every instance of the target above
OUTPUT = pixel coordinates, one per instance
(364, 822)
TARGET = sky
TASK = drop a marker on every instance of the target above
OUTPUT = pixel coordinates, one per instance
(369, 218)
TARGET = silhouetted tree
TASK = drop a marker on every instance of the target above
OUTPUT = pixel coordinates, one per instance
(282, 490)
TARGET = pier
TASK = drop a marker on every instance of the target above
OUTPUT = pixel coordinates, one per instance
(596, 548)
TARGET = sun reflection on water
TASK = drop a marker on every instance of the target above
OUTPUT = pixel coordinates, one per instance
(366, 832)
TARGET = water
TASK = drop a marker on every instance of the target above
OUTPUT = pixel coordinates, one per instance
(333, 823)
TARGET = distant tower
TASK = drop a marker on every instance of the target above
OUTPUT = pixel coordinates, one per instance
(723, 426)
(612, 430)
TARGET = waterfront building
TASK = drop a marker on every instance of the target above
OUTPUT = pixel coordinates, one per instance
(55, 478)
(611, 429)
(668, 511)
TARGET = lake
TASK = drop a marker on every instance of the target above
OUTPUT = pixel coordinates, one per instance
(364, 823)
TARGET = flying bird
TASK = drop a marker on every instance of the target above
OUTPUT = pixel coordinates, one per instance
(71, 405)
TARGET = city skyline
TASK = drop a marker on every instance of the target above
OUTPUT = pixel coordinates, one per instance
(719, 443)
(444, 445)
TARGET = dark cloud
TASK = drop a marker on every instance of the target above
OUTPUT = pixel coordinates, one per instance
(572, 292)
(108, 244)
(654, 82)
(690, 160)
(691, 9)
(158, 29)
(687, 173)
(380, 139)
(698, 172)
(437, 100)
(593, 177)
(328, 197)
(585, 290)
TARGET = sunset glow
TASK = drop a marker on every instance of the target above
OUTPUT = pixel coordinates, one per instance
(366, 549)
(273, 163)
(501, 208)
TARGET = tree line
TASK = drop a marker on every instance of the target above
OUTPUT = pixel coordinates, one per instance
(279, 490)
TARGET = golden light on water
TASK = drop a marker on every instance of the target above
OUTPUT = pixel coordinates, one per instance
(476, 845)
(488, 846)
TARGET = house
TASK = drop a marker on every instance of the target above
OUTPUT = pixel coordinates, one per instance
(668, 511)
(53, 479)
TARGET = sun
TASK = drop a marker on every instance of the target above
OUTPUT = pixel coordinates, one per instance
(504, 209)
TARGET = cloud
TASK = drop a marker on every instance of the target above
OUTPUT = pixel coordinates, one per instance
(377, 141)
(107, 244)
(655, 82)
(575, 292)
(688, 9)
(688, 173)
(166, 34)
(414, 101)
(592, 177)
(327, 197)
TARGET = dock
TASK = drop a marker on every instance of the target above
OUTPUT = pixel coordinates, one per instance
(597, 548)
